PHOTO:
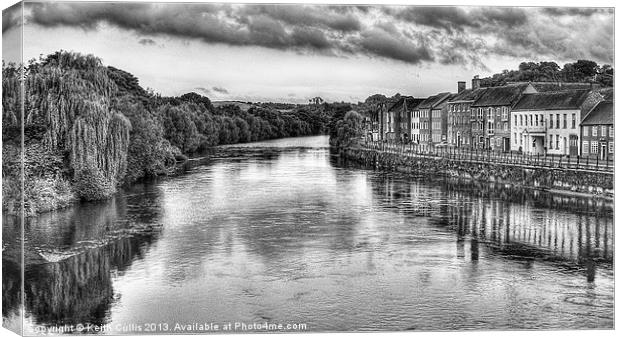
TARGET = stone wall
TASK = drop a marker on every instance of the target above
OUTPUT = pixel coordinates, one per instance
(558, 179)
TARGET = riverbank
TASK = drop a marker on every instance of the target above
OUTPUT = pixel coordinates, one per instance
(556, 180)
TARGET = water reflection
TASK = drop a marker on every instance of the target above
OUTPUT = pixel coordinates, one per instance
(292, 234)
(515, 223)
(72, 255)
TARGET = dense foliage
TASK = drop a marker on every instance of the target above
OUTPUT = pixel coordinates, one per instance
(580, 71)
(347, 131)
(90, 128)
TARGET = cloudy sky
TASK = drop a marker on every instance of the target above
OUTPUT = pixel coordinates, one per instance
(293, 52)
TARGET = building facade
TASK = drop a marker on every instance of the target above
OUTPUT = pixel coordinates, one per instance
(459, 125)
(597, 132)
(424, 111)
(491, 116)
(548, 122)
(402, 112)
(439, 122)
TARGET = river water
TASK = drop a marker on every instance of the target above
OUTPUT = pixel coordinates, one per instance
(285, 233)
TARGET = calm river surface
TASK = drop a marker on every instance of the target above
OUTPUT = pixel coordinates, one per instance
(282, 232)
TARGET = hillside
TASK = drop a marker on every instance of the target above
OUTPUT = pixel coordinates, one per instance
(583, 71)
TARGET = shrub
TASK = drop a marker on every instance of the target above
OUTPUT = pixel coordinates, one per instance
(91, 184)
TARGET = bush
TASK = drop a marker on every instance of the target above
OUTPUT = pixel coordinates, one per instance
(91, 184)
(48, 193)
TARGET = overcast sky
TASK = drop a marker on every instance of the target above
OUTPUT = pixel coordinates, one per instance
(294, 52)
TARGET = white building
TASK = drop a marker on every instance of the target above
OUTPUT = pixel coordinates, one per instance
(548, 122)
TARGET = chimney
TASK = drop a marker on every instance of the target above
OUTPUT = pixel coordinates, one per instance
(475, 82)
(461, 86)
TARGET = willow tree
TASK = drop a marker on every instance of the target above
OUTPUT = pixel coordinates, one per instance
(68, 114)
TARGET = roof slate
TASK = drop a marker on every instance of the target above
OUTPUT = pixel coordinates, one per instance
(601, 114)
(430, 102)
(412, 103)
(468, 95)
(552, 100)
(503, 95)
(445, 102)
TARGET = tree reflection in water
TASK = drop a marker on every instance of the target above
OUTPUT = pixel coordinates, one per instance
(71, 256)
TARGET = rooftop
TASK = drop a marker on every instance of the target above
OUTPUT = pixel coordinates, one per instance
(503, 95)
(430, 102)
(445, 102)
(602, 113)
(468, 95)
(408, 101)
(552, 100)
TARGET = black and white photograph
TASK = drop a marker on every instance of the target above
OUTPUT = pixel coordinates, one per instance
(308, 167)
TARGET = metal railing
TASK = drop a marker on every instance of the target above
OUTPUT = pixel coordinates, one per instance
(495, 157)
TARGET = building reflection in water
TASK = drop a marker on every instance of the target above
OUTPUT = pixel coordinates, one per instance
(574, 232)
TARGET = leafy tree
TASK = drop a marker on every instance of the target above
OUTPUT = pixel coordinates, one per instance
(179, 128)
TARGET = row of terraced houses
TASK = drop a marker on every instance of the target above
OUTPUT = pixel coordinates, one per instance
(528, 117)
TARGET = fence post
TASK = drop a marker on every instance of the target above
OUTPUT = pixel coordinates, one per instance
(597, 161)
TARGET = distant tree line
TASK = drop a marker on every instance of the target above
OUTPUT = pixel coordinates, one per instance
(580, 71)
(90, 128)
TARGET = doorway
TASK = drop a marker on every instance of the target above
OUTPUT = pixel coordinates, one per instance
(603, 151)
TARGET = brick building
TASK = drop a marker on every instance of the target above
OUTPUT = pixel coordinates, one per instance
(423, 112)
(402, 110)
(439, 121)
(490, 116)
(597, 132)
(458, 123)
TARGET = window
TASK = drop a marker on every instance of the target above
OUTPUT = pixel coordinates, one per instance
(603, 131)
(557, 142)
(611, 147)
(536, 120)
(506, 126)
(594, 147)
(521, 120)
(594, 131)
(585, 148)
(521, 139)
(611, 131)
(515, 122)
(515, 136)
(551, 121)
(557, 121)
(574, 125)
(586, 131)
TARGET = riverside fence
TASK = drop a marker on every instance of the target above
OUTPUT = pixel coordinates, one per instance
(488, 156)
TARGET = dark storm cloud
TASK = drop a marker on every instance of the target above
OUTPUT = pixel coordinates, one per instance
(147, 42)
(11, 17)
(573, 11)
(399, 33)
(220, 90)
(306, 16)
(380, 42)
(448, 18)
